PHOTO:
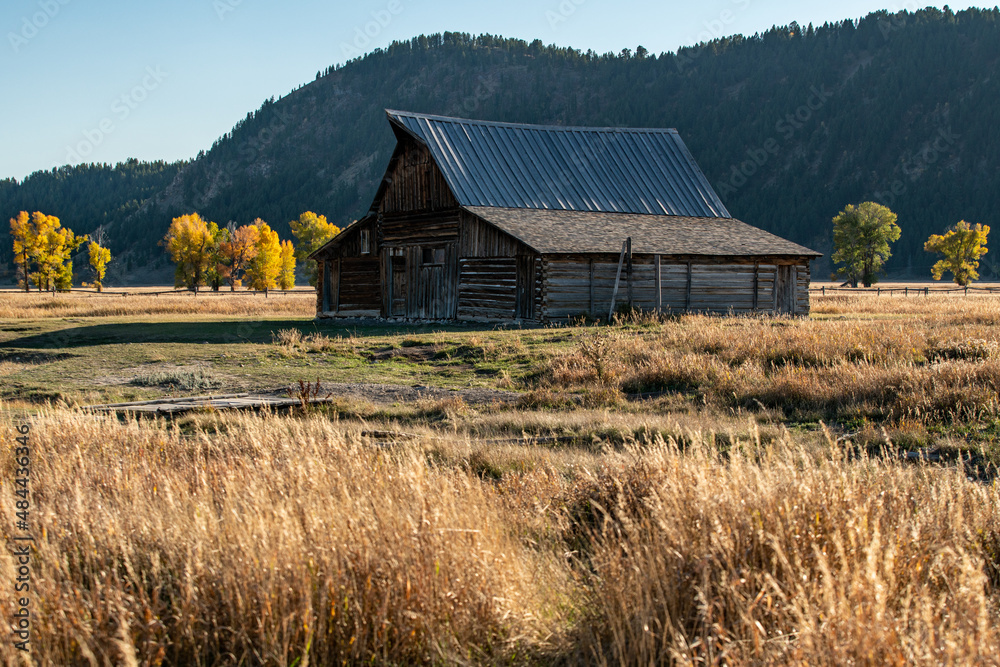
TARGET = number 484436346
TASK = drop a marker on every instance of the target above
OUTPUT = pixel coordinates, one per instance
(22, 457)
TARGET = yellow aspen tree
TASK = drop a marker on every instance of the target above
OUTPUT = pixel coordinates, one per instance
(53, 250)
(99, 257)
(962, 247)
(264, 269)
(312, 232)
(23, 234)
(286, 280)
(190, 242)
(218, 267)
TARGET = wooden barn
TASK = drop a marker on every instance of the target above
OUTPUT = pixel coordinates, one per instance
(484, 221)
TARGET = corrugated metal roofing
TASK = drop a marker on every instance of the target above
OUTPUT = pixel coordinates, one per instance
(561, 232)
(613, 170)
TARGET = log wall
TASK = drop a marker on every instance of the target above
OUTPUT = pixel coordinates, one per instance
(360, 290)
(487, 288)
(802, 289)
(583, 286)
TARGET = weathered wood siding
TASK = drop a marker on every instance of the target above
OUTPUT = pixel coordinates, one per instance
(350, 244)
(360, 293)
(491, 287)
(581, 286)
(481, 239)
(350, 277)
(487, 288)
(419, 228)
(416, 183)
(328, 277)
(802, 306)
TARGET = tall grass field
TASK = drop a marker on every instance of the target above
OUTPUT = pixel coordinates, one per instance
(694, 490)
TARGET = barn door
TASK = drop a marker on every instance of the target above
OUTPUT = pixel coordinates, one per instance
(397, 284)
(331, 284)
(436, 287)
(784, 290)
(525, 307)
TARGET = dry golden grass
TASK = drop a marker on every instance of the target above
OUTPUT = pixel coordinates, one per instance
(16, 304)
(278, 539)
(243, 539)
(932, 369)
(775, 555)
(580, 527)
(981, 307)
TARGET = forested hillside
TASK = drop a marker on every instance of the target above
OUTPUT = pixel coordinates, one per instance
(789, 125)
(87, 197)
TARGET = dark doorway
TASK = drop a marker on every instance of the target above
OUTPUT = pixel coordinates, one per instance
(397, 286)
(784, 290)
(525, 307)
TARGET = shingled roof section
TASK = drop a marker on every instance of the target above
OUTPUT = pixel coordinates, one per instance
(566, 232)
(612, 170)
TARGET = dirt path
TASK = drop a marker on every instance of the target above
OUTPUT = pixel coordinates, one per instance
(383, 394)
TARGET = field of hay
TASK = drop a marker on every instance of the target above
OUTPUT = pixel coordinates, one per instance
(696, 490)
(146, 302)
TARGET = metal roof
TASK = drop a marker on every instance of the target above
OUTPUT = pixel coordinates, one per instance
(612, 170)
(564, 232)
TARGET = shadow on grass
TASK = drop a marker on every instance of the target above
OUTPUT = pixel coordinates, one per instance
(211, 332)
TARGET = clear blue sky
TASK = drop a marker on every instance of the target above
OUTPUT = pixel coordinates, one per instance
(159, 79)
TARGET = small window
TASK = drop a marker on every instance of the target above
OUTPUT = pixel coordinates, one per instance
(433, 256)
(366, 242)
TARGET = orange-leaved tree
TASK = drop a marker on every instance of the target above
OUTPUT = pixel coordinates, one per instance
(264, 269)
(312, 232)
(962, 247)
(190, 242)
(239, 248)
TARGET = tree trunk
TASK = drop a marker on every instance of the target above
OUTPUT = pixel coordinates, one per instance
(27, 281)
